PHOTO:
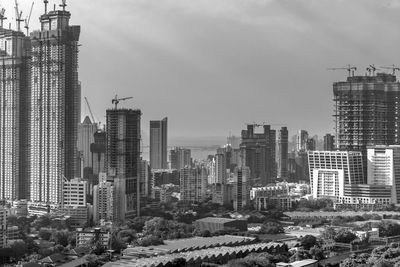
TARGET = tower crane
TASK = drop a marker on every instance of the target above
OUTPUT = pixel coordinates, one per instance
(116, 100)
(393, 68)
(18, 16)
(2, 17)
(349, 68)
(90, 110)
(28, 19)
(371, 68)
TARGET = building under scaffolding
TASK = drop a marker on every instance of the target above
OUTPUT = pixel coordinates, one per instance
(122, 160)
(366, 111)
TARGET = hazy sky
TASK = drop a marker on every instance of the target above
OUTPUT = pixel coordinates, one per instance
(213, 65)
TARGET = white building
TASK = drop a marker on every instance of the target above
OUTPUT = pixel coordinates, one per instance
(383, 164)
(193, 183)
(103, 200)
(278, 196)
(85, 237)
(74, 201)
(330, 171)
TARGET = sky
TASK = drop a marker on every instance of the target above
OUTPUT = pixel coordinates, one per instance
(211, 66)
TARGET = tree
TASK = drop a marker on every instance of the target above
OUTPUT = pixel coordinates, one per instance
(308, 241)
(137, 223)
(42, 222)
(317, 253)
(272, 228)
(19, 249)
(179, 262)
(127, 235)
(389, 229)
(299, 255)
(45, 233)
(328, 233)
(345, 236)
(12, 220)
(61, 237)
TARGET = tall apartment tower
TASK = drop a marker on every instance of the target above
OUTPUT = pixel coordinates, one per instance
(193, 183)
(123, 159)
(366, 111)
(54, 106)
(301, 140)
(180, 158)
(14, 124)
(329, 142)
(283, 147)
(158, 144)
(258, 150)
(98, 150)
(86, 131)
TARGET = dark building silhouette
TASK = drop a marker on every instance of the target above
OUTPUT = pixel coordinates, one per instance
(158, 144)
(123, 159)
(258, 150)
(329, 142)
(283, 147)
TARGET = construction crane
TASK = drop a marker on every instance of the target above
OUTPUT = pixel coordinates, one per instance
(393, 68)
(28, 19)
(116, 100)
(90, 110)
(349, 68)
(371, 68)
(18, 16)
(64, 4)
(2, 17)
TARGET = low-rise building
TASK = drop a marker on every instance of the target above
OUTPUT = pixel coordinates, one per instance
(214, 224)
(276, 196)
(90, 236)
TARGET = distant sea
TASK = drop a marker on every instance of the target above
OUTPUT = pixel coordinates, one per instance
(200, 147)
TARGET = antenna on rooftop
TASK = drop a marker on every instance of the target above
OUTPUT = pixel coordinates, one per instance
(64, 4)
(2, 17)
(45, 6)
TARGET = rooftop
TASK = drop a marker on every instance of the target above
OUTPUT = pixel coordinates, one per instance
(216, 220)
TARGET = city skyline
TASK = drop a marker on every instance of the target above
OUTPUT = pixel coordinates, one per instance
(181, 43)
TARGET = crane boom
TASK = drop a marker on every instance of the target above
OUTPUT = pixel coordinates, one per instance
(116, 100)
(349, 68)
(90, 110)
(28, 19)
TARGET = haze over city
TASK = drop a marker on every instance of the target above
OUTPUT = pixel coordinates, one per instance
(211, 66)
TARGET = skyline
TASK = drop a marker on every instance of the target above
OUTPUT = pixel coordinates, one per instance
(213, 66)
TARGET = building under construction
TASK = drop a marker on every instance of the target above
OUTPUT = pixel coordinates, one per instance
(123, 159)
(367, 111)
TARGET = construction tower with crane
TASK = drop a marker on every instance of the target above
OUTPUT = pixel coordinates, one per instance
(365, 111)
(55, 105)
(14, 128)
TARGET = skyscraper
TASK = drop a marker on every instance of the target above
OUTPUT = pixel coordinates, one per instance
(180, 158)
(258, 150)
(123, 159)
(329, 142)
(14, 127)
(301, 140)
(54, 106)
(283, 146)
(193, 183)
(158, 144)
(366, 111)
(86, 131)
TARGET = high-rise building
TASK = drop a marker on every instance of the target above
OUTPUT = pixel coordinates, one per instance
(241, 192)
(14, 126)
(3, 227)
(366, 111)
(180, 158)
(258, 150)
(123, 159)
(193, 183)
(311, 144)
(103, 200)
(86, 131)
(384, 168)
(158, 144)
(98, 150)
(54, 106)
(329, 142)
(301, 140)
(74, 201)
(283, 146)
(330, 171)
(144, 179)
